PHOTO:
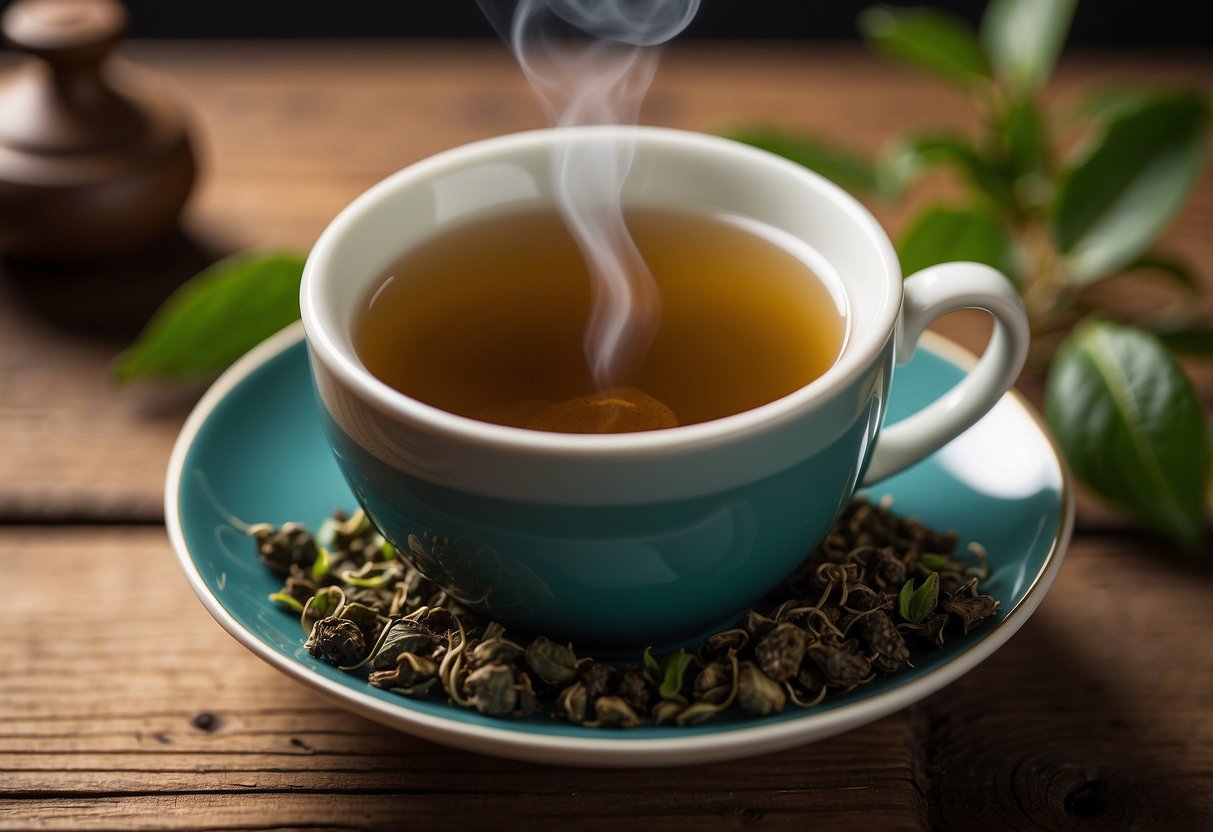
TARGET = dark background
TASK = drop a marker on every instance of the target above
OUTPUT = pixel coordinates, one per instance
(1113, 22)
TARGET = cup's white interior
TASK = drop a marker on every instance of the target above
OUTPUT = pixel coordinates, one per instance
(671, 169)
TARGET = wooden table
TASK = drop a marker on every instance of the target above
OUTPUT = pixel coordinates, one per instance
(123, 705)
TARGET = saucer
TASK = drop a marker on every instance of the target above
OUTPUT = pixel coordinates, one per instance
(253, 449)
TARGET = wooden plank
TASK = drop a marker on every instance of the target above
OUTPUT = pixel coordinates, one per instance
(1096, 715)
(114, 664)
(290, 132)
(103, 700)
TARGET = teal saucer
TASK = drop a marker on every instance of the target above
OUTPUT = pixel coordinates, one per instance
(253, 451)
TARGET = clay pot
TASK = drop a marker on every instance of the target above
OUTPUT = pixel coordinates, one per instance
(95, 160)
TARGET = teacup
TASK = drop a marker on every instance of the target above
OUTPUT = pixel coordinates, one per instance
(651, 537)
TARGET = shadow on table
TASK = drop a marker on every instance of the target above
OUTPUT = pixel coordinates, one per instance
(112, 302)
(1046, 733)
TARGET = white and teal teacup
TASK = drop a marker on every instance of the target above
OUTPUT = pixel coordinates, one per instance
(637, 538)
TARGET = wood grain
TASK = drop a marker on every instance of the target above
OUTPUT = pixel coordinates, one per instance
(290, 132)
(126, 706)
(137, 711)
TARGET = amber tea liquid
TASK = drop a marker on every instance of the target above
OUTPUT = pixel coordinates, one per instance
(486, 320)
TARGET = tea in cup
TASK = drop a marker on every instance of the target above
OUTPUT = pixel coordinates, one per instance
(445, 312)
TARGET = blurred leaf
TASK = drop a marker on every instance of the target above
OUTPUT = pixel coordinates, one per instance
(216, 317)
(1176, 270)
(843, 167)
(1131, 425)
(1117, 199)
(1023, 39)
(917, 153)
(1024, 157)
(1194, 339)
(929, 39)
(942, 234)
(1111, 102)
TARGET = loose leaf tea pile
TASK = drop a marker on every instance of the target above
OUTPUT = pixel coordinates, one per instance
(877, 588)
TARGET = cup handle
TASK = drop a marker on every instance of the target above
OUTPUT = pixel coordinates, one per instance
(930, 293)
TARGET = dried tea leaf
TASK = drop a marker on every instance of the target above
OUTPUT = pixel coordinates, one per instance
(780, 651)
(613, 712)
(337, 641)
(555, 664)
(757, 693)
(492, 689)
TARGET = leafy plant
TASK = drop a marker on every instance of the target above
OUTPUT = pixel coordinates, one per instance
(1057, 224)
(216, 317)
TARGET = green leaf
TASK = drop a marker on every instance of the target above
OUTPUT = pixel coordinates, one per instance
(322, 564)
(675, 668)
(1117, 199)
(1195, 339)
(936, 563)
(1024, 157)
(651, 668)
(914, 605)
(288, 601)
(1131, 425)
(942, 234)
(915, 154)
(925, 599)
(929, 39)
(903, 599)
(1175, 270)
(1108, 103)
(843, 167)
(1023, 39)
(216, 317)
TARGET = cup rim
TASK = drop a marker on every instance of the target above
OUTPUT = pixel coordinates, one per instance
(340, 357)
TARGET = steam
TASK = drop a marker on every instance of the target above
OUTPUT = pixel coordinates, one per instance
(599, 80)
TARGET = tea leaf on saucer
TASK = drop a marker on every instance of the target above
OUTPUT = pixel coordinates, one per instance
(928, 39)
(216, 317)
(915, 604)
(1024, 37)
(675, 668)
(1131, 425)
(944, 234)
(1120, 195)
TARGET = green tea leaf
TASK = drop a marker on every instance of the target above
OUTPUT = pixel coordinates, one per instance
(675, 668)
(928, 39)
(843, 167)
(1023, 39)
(651, 668)
(903, 599)
(322, 564)
(1131, 425)
(925, 599)
(915, 154)
(936, 563)
(216, 317)
(288, 601)
(914, 605)
(942, 234)
(1116, 200)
